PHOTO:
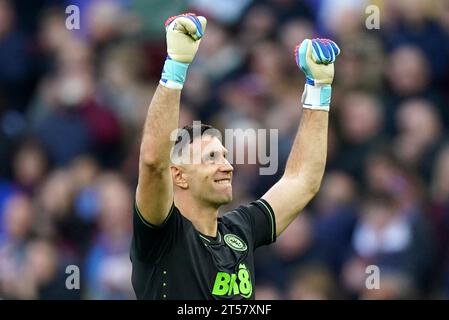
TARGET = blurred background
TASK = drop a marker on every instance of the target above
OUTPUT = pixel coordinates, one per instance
(73, 102)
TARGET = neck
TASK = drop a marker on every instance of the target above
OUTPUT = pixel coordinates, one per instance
(202, 216)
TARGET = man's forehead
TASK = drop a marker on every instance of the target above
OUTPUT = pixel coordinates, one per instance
(206, 143)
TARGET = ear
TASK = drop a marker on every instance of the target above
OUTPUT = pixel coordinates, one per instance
(179, 177)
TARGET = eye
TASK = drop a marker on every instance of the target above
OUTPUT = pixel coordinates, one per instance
(210, 156)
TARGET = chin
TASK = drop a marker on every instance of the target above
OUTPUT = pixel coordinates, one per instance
(224, 199)
(220, 195)
(228, 200)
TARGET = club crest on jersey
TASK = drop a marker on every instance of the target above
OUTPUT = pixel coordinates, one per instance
(235, 242)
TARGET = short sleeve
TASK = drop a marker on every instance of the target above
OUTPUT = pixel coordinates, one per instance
(257, 219)
(151, 242)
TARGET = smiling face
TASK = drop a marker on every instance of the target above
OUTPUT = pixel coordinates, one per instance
(210, 181)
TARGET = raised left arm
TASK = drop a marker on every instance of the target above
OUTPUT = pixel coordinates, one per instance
(303, 172)
(307, 160)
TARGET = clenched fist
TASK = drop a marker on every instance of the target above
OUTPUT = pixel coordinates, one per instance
(316, 59)
(184, 33)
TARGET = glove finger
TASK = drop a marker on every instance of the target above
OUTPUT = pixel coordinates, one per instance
(315, 55)
(199, 31)
(321, 52)
(301, 53)
(334, 47)
(170, 19)
(331, 51)
(203, 22)
(328, 52)
(188, 24)
(185, 25)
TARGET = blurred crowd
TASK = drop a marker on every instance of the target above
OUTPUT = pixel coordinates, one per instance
(73, 102)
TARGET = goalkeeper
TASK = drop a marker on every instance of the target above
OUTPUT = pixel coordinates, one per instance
(181, 249)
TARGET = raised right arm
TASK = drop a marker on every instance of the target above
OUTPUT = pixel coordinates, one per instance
(154, 194)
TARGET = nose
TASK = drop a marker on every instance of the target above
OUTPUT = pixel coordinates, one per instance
(226, 166)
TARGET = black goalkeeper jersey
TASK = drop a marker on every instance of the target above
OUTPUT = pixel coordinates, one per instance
(175, 261)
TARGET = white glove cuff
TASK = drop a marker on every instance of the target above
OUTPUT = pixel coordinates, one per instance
(171, 84)
(317, 97)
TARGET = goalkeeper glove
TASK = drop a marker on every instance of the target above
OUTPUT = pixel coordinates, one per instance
(184, 33)
(316, 59)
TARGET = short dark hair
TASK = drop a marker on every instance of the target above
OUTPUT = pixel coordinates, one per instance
(186, 134)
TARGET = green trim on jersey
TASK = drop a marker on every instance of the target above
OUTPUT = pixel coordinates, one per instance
(204, 238)
(209, 240)
(272, 217)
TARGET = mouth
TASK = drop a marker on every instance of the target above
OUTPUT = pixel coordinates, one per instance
(223, 181)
